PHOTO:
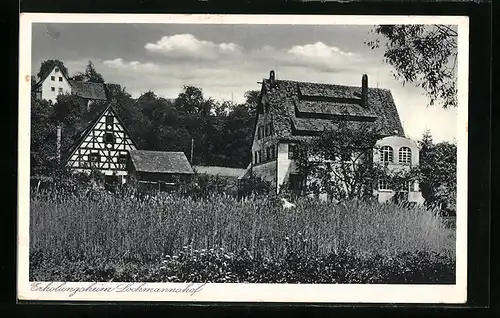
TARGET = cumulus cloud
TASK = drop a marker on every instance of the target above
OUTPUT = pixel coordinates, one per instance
(187, 46)
(119, 63)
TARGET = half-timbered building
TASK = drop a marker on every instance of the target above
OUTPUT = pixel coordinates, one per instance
(103, 146)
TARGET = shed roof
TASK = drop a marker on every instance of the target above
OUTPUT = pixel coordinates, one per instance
(160, 162)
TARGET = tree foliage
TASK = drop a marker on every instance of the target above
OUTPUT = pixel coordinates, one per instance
(425, 55)
(47, 66)
(89, 75)
(339, 162)
(438, 172)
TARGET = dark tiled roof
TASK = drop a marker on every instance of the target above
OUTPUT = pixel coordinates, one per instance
(301, 108)
(88, 90)
(220, 171)
(333, 108)
(160, 162)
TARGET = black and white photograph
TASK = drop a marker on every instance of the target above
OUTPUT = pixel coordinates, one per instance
(270, 158)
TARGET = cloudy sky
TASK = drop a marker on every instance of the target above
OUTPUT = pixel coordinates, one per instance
(227, 60)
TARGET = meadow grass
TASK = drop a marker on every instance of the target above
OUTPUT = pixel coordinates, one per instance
(75, 227)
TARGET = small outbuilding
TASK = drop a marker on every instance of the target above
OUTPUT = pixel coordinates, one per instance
(158, 169)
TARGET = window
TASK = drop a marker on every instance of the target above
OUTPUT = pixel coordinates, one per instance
(292, 151)
(60, 90)
(266, 107)
(52, 78)
(56, 70)
(260, 132)
(405, 155)
(94, 157)
(109, 122)
(270, 129)
(60, 78)
(386, 154)
(273, 152)
(53, 89)
(266, 130)
(109, 138)
(259, 156)
(122, 158)
(383, 185)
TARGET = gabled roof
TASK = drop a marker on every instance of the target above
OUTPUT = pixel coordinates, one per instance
(88, 90)
(220, 171)
(160, 162)
(43, 79)
(83, 134)
(303, 109)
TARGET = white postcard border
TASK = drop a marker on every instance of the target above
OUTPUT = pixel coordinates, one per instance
(310, 293)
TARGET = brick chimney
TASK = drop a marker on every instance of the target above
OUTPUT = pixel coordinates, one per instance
(364, 91)
(272, 78)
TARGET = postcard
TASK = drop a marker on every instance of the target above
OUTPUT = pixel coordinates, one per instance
(243, 158)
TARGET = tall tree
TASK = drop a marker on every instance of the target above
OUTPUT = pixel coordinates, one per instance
(91, 75)
(424, 55)
(251, 101)
(191, 100)
(438, 177)
(47, 66)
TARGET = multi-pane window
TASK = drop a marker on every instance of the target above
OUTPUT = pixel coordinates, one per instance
(53, 89)
(60, 90)
(60, 78)
(404, 155)
(386, 154)
(383, 184)
(52, 78)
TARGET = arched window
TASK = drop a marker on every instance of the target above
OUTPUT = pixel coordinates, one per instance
(404, 155)
(386, 154)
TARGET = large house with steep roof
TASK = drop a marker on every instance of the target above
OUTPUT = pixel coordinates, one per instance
(291, 111)
(57, 82)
